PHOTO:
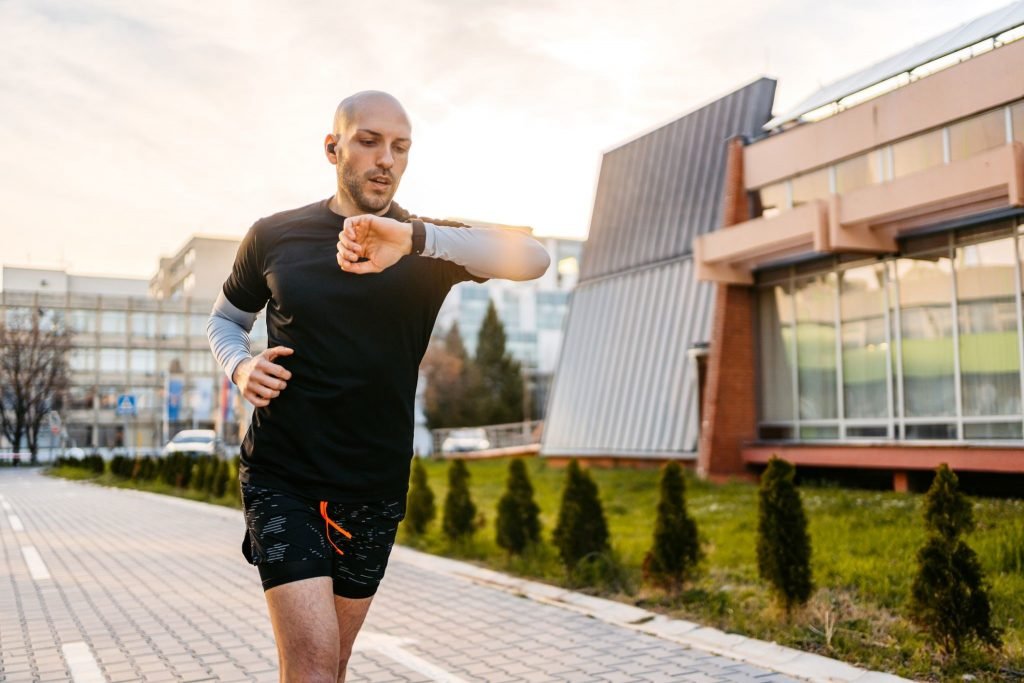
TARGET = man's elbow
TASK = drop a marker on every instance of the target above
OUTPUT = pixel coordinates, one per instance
(540, 261)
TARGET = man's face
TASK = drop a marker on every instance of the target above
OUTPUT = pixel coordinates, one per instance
(372, 153)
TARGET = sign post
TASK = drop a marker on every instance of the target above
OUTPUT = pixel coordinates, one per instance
(126, 407)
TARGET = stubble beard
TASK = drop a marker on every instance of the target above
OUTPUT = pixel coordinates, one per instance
(353, 186)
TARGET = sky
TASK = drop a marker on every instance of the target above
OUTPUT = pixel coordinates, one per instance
(126, 127)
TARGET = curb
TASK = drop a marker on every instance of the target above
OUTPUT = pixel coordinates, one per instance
(782, 659)
(785, 660)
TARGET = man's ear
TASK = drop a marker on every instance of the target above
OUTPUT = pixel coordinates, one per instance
(330, 143)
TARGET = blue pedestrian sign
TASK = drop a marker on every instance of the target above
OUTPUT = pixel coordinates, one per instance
(126, 404)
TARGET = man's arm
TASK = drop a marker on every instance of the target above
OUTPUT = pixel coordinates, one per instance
(228, 331)
(483, 252)
(488, 252)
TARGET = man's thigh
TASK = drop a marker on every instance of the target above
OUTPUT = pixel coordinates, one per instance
(363, 558)
(305, 625)
(350, 614)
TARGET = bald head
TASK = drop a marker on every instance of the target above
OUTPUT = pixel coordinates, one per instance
(370, 150)
(368, 103)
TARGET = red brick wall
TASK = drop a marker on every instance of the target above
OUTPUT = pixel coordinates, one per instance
(729, 408)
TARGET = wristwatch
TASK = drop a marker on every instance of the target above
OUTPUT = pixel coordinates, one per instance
(419, 236)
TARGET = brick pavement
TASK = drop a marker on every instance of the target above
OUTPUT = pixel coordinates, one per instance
(151, 588)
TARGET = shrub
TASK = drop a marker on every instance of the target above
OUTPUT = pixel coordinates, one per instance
(200, 472)
(675, 552)
(220, 479)
(459, 510)
(948, 598)
(783, 544)
(420, 508)
(518, 521)
(581, 528)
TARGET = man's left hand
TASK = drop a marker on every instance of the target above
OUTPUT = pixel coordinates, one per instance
(381, 240)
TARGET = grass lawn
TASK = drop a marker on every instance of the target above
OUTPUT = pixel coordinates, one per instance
(863, 544)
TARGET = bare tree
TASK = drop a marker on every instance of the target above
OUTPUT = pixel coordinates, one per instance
(34, 345)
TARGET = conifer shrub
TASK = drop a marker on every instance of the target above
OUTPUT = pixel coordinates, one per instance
(675, 552)
(419, 508)
(200, 472)
(459, 509)
(948, 597)
(581, 529)
(220, 478)
(517, 524)
(783, 544)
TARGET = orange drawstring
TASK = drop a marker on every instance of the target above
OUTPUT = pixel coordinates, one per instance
(329, 523)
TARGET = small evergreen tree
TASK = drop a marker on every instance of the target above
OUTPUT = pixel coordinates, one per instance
(675, 552)
(783, 544)
(518, 522)
(581, 528)
(420, 508)
(459, 510)
(948, 598)
(220, 480)
(202, 471)
(500, 392)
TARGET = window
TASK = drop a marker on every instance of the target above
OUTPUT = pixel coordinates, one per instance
(774, 198)
(860, 171)
(83, 321)
(987, 319)
(775, 322)
(815, 300)
(197, 324)
(143, 361)
(83, 360)
(926, 317)
(977, 134)
(917, 153)
(143, 324)
(113, 360)
(810, 186)
(1017, 117)
(865, 349)
(113, 322)
(172, 325)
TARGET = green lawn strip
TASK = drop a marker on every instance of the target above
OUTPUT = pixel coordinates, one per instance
(863, 544)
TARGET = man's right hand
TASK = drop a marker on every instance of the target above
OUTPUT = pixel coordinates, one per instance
(260, 379)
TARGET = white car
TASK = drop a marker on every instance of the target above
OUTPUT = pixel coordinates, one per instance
(462, 440)
(196, 442)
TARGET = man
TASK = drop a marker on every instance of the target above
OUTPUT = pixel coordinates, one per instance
(354, 284)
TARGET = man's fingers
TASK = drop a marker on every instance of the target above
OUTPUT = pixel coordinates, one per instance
(275, 351)
(269, 369)
(347, 253)
(362, 267)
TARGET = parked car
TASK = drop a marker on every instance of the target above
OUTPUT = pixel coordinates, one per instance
(196, 442)
(462, 440)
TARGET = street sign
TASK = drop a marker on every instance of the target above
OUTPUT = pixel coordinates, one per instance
(126, 404)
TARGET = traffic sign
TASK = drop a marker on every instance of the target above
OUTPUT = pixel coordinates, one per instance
(126, 404)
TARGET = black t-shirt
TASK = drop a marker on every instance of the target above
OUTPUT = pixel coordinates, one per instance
(343, 427)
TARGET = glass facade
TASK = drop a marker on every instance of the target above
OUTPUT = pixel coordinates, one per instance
(917, 153)
(958, 140)
(928, 342)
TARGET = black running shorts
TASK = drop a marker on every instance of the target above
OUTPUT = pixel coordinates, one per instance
(289, 537)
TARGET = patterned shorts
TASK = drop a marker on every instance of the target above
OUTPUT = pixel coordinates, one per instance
(289, 537)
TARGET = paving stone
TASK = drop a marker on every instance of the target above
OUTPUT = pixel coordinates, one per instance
(158, 601)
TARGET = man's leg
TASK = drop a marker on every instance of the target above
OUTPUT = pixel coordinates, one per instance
(351, 612)
(306, 629)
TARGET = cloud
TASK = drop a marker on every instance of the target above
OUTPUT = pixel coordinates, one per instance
(128, 126)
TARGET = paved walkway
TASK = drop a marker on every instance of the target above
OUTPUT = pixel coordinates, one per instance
(109, 585)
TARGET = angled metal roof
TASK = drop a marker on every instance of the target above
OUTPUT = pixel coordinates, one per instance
(657, 192)
(982, 28)
(624, 384)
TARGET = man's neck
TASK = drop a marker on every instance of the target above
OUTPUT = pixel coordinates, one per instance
(343, 205)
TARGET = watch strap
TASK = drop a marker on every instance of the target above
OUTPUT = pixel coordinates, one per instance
(419, 236)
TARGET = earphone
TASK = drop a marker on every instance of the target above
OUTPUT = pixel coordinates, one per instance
(330, 147)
